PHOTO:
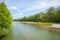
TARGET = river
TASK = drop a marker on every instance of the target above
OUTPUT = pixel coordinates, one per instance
(22, 31)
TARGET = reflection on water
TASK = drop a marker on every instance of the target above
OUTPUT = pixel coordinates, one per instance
(22, 31)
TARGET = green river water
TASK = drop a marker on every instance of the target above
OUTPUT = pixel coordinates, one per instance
(22, 31)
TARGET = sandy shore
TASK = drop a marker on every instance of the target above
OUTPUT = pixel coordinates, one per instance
(50, 26)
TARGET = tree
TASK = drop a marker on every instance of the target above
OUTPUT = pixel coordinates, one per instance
(58, 15)
(5, 16)
(51, 14)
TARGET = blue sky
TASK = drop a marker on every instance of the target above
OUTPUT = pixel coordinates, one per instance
(20, 8)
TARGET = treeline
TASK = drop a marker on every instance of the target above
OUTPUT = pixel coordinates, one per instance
(51, 15)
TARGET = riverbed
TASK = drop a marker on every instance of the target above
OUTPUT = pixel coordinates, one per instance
(22, 31)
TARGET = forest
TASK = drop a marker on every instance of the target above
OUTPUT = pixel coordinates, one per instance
(51, 15)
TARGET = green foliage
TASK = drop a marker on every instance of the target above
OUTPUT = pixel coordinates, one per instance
(51, 15)
(5, 17)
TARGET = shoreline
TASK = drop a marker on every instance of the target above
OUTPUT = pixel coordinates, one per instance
(48, 26)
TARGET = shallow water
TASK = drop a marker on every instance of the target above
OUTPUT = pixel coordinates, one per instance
(56, 25)
(22, 31)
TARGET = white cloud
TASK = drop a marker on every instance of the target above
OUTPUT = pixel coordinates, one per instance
(36, 5)
(42, 4)
(18, 14)
(13, 7)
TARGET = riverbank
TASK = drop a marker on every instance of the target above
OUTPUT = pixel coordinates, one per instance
(49, 26)
(40, 24)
